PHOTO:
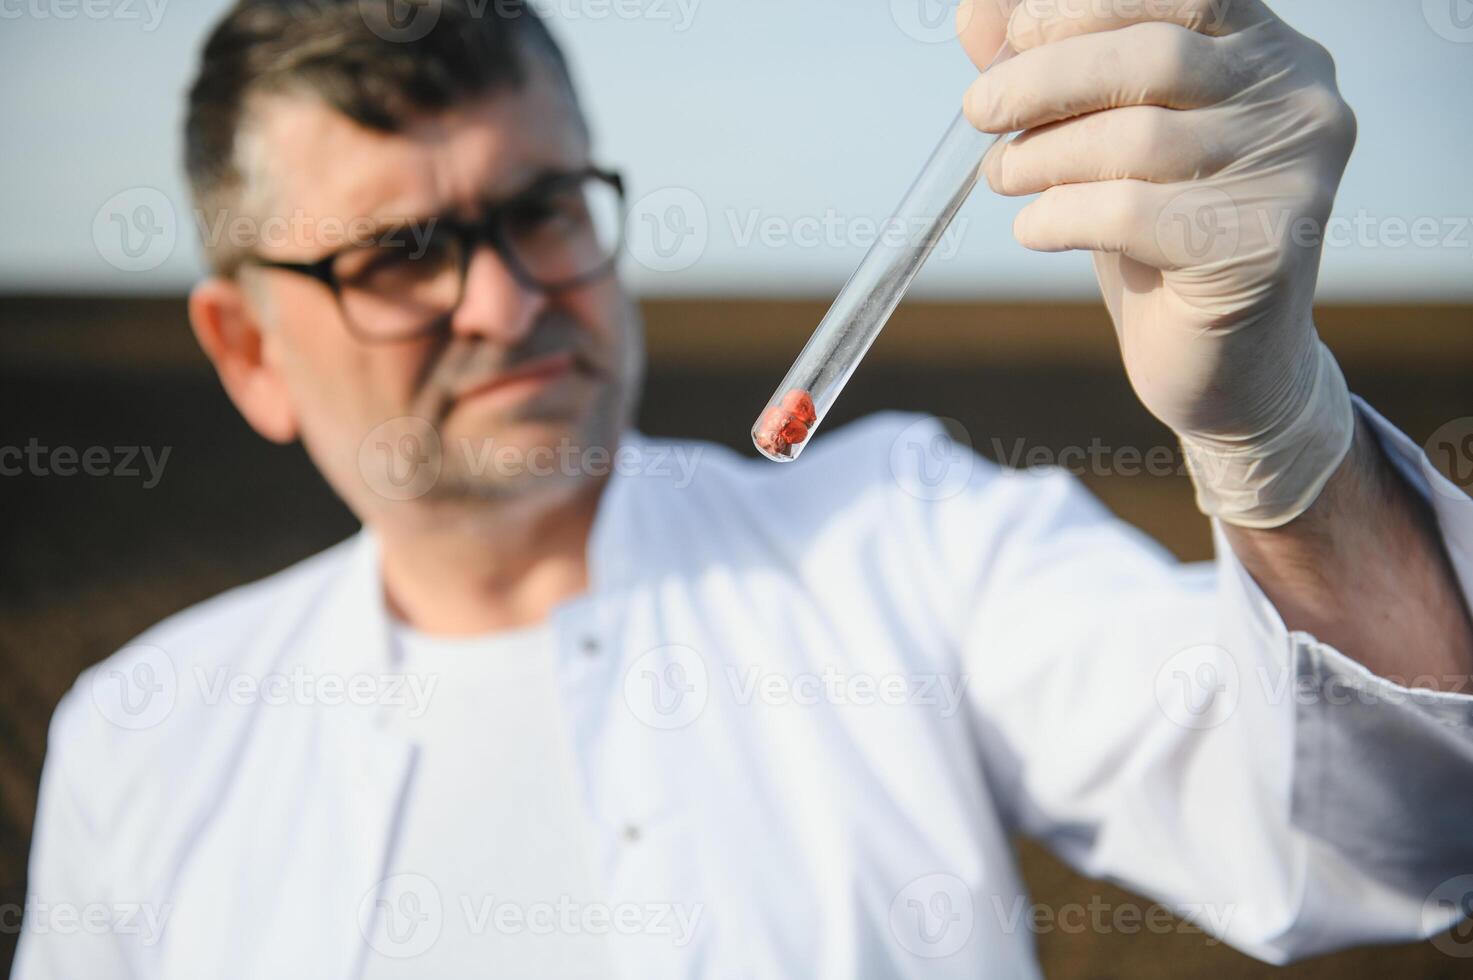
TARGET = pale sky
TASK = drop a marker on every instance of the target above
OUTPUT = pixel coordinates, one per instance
(781, 132)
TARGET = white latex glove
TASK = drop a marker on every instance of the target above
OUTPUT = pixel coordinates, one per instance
(1195, 147)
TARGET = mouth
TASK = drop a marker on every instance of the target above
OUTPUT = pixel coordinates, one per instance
(522, 381)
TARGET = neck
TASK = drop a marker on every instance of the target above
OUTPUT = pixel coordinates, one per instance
(489, 566)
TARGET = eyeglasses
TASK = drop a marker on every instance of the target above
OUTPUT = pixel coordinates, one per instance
(563, 231)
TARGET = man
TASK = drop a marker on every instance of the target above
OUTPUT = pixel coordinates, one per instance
(584, 712)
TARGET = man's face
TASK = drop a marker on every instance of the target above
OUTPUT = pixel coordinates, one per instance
(519, 385)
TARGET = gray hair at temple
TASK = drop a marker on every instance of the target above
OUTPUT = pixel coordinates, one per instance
(381, 63)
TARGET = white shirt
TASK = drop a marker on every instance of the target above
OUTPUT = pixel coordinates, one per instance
(809, 703)
(494, 831)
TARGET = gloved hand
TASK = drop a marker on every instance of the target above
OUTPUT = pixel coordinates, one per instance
(1195, 147)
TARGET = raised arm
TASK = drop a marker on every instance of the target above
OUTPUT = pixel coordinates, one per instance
(1196, 148)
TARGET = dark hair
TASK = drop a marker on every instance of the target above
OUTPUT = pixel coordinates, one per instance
(356, 58)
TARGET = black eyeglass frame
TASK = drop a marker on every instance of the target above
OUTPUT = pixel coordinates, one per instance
(486, 229)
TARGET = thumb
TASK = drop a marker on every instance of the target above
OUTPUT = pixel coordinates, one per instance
(982, 26)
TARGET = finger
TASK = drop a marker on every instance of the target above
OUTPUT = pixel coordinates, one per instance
(1148, 64)
(1037, 22)
(1093, 217)
(982, 26)
(1136, 142)
(1165, 226)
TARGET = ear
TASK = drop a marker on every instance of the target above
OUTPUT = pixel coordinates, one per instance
(226, 326)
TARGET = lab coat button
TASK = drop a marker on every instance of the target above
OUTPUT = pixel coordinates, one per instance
(631, 834)
(589, 645)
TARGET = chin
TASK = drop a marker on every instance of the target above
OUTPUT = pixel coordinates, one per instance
(514, 453)
(541, 442)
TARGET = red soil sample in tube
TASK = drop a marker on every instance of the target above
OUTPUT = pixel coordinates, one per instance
(800, 404)
(785, 424)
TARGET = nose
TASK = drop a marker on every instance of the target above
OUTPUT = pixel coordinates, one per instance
(494, 304)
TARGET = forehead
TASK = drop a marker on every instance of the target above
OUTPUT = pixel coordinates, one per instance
(313, 161)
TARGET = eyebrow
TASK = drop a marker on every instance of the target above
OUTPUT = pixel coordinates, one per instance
(541, 180)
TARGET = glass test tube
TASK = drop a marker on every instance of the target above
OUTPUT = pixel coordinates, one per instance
(874, 290)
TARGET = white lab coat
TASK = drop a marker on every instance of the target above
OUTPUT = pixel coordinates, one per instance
(809, 703)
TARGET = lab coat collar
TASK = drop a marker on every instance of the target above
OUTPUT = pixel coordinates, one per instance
(354, 619)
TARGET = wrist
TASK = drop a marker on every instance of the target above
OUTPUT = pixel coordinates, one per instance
(1268, 477)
